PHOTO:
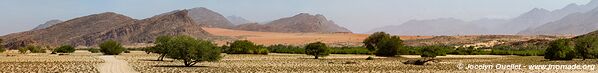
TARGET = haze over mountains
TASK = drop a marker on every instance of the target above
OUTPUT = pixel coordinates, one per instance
(236, 20)
(93, 29)
(537, 19)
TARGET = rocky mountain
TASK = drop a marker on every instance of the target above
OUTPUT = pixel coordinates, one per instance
(93, 29)
(442, 26)
(208, 18)
(236, 20)
(47, 24)
(573, 24)
(302, 22)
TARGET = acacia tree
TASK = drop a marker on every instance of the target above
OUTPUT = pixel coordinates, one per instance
(317, 49)
(587, 47)
(372, 40)
(161, 47)
(383, 44)
(191, 50)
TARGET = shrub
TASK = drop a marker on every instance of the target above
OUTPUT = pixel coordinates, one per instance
(65, 49)
(111, 47)
(279, 48)
(317, 49)
(22, 50)
(93, 50)
(35, 49)
(410, 50)
(587, 47)
(245, 47)
(433, 51)
(562, 49)
(389, 46)
(1, 46)
(191, 50)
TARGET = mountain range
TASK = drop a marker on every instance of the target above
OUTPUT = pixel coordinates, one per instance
(533, 22)
(93, 29)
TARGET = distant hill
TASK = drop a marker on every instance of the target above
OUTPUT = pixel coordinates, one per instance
(236, 20)
(572, 24)
(94, 29)
(208, 18)
(442, 26)
(302, 22)
(523, 24)
(47, 24)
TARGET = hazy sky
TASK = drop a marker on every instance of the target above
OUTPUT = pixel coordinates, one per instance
(356, 15)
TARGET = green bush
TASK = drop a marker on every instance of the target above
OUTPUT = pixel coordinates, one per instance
(35, 49)
(65, 49)
(191, 50)
(23, 50)
(521, 52)
(93, 50)
(388, 46)
(1, 46)
(587, 47)
(111, 47)
(410, 50)
(279, 48)
(245, 47)
(562, 49)
(317, 49)
(433, 51)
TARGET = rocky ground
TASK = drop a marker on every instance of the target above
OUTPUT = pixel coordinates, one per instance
(49, 63)
(338, 63)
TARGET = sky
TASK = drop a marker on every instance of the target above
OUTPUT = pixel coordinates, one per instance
(357, 15)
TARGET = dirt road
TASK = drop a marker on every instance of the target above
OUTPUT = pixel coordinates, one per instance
(113, 65)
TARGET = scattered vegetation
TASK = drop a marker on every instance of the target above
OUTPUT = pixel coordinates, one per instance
(433, 51)
(31, 49)
(317, 49)
(349, 50)
(562, 49)
(191, 50)
(64, 49)
(245, 47)
(93, 50)
(280, 48)
(111, 47)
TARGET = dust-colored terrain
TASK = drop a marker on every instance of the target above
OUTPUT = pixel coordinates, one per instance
(82, 62)
(271, 38)
(243, 63)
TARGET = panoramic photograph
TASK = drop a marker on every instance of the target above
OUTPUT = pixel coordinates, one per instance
(298, 36)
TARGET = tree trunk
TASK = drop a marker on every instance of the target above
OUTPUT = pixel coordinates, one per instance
(316, 56)
(161, 58)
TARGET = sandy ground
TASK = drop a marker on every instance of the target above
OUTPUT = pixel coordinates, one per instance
(271, 38)
(113, 65)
